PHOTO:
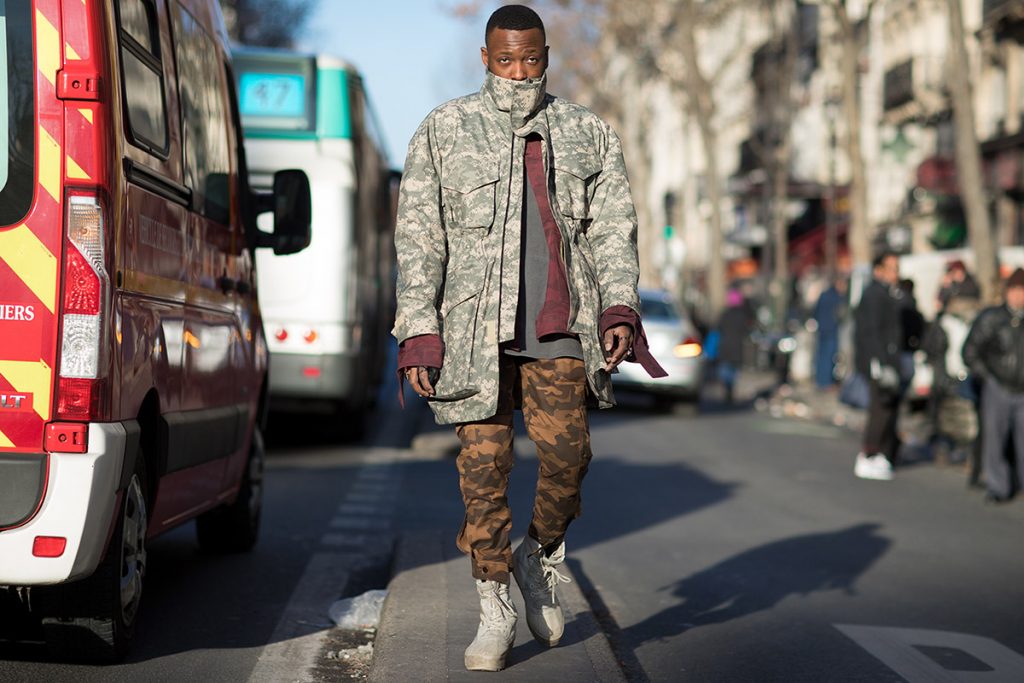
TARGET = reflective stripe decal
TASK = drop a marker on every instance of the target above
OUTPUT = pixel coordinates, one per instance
(30, 378)
(32, 262)
(47, 48)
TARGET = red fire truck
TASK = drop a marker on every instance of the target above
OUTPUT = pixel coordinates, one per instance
(133, 363)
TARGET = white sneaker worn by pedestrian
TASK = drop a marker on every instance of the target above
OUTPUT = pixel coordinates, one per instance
(875, 467)
(537, 575)
(497, 630)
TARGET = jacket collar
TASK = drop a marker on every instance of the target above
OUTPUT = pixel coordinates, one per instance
(518, 100)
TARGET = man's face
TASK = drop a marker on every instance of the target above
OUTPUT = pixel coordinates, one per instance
(516, 55)
(1015, 297)
(888, 271)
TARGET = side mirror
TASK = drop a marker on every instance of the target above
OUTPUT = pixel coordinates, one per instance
(293, 213)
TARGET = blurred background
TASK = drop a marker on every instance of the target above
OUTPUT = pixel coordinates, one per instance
(769, 142)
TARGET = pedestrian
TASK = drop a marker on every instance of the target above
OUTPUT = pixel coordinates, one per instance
(994, 351)
(517, 288)
(952, 402)
(957, 282)
(878, 339)
(911, 328)
(733, 330)
(829, 311)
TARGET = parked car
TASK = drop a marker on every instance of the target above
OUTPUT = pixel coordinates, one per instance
(133, 364)
(677, 346)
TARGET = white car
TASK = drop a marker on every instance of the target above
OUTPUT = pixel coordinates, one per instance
(675, 343)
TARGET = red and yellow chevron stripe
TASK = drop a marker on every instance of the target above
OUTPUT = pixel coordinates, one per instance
(29, 260)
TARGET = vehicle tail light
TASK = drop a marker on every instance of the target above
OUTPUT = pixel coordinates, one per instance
(688, 348)
(86, 284)
(311, 372)
(281, 334)
(310, 336)
(49, 546)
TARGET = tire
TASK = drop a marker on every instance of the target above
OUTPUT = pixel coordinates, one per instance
(234, 528)
(680, 406)
(93, 620)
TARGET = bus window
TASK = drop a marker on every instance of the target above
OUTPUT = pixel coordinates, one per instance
(17, 130)
(143, 75)
(277, 93)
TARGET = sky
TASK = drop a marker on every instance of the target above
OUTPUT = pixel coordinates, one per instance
(413, 55)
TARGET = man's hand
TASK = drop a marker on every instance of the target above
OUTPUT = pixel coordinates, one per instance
(618, 342)
(419, 379)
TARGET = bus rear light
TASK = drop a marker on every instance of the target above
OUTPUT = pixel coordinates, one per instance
(67, 437)
(49, 546)
(311, 372)
(310, 336)
(281, 334)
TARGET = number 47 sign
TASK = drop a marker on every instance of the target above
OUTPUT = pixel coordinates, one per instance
(924, 656)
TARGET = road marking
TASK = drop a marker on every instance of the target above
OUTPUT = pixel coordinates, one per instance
(361, 524)
(363, 509)
(302, 628)
(358, 540)
(913, 654)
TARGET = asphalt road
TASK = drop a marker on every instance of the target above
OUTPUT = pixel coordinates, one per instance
(727, 547)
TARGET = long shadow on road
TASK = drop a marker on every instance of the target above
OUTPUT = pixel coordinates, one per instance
(747, 583)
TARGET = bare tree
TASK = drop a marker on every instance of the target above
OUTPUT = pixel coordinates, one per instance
(266, 23)
(851, 38)
(772, 142)
(968, 158)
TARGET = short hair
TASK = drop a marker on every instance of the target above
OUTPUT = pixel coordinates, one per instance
(882, 255)
(514, 18)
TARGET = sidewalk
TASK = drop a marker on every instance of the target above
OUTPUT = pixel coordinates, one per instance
(431, 615)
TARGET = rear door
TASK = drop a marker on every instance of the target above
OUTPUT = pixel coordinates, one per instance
(31, 136)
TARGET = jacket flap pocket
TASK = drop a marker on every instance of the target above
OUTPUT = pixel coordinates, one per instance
(469, 198)
(580, 163)
(465, 181)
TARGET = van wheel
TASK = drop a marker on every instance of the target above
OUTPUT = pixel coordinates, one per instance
(234, 528)
(93, 620)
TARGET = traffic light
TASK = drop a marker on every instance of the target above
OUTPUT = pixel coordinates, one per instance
(669, 201)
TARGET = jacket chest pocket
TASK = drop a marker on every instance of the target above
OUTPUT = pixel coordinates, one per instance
(469, 198)
(575, 177)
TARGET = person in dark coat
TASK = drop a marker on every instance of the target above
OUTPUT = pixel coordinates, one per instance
(733, 328)
(957, 282)
(878, 342)
(994, 351)
(828, 313)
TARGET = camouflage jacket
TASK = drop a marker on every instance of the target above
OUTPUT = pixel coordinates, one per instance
(459, 227)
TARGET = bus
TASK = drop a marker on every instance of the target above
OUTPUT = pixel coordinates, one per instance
(327, 310)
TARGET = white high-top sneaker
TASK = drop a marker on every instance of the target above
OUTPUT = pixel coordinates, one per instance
(497, 630)
(537, 575)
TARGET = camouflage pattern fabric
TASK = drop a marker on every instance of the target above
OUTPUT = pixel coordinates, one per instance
(553, 395)
(459, 228)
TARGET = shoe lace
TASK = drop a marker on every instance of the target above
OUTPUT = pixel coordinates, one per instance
(498, 609)
(551, 576)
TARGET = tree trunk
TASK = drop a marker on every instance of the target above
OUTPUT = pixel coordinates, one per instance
(702, 108)
(968, 159)
(858, 235)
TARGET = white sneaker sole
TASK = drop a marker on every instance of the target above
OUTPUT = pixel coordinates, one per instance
(484, 663)
(869, 472)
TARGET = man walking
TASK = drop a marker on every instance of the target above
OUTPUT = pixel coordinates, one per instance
(878, 338)
(994, 351)
(516, 242)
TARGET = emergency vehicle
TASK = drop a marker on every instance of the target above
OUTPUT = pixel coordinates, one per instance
(133, 364)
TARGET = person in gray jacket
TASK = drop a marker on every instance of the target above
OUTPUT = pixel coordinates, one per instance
(994, 351)
(517, 288)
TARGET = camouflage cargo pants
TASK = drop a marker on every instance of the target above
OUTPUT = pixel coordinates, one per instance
(553, 396)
